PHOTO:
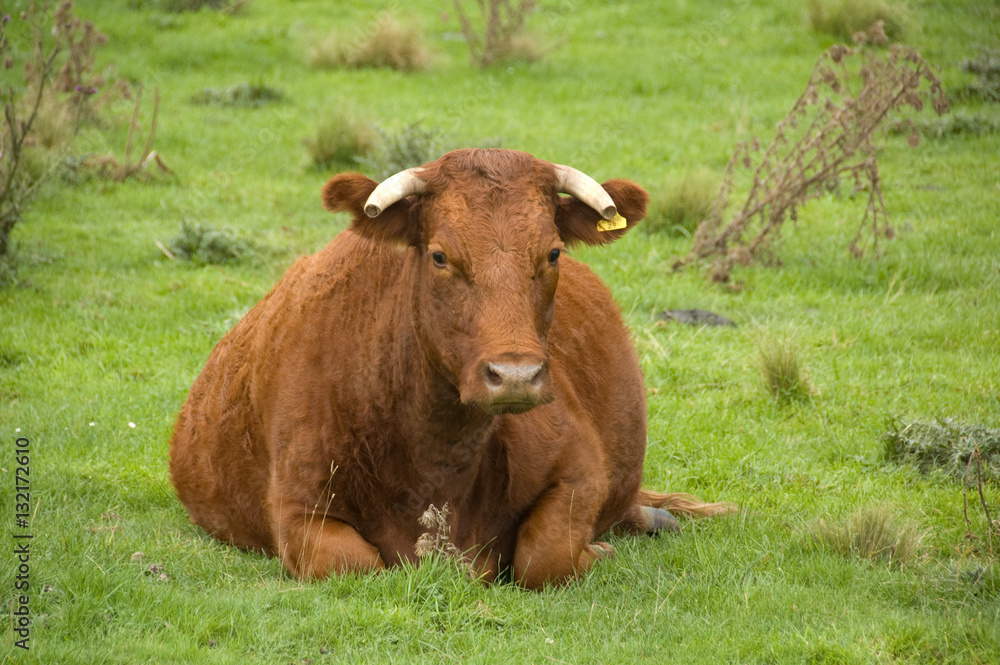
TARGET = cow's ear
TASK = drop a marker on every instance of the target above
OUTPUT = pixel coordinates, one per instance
(348, 192)
(577, 222)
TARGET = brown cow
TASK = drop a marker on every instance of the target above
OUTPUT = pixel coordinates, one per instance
(442, 350)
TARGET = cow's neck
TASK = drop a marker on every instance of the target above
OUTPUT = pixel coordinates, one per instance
(451, 436)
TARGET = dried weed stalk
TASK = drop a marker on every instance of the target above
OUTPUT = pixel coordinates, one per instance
(111, 168)
(502, 20)
(991, 534)
(827, 135)
(437, 540)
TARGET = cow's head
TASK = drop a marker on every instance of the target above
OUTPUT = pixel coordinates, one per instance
(488, 229)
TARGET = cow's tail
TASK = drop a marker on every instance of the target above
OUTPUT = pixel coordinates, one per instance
(653, 512)
(684, 504)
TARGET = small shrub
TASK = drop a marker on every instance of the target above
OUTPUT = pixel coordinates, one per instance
(785, 378)
(387, 43)
(241, 95)
(411, 146)
(953, 124)
(45, 111)
(986, 67)
(871, 533)
(498, 34)
(947, 445)
(205, 245)
(680, 204)
(178, 6)
(845, 18)
(341, 137)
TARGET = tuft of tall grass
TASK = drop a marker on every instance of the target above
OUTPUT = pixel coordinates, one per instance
(845, 18)
(678, 205)
(341, 137)
(785, 376)
(386, 43)
(875, 534)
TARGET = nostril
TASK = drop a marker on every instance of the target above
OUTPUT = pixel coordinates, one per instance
(538, 378)
(492, 376)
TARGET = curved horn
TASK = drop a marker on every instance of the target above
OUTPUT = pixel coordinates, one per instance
(585, 188)
(392, 189)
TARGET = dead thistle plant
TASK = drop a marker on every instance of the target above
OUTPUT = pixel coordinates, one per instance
(827, 136)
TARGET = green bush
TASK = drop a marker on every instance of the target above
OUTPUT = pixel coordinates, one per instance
(986, 67)
(206, 245)
(411, 146)
(245, 95)
(945, 445)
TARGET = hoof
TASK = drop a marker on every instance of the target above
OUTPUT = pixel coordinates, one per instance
(658, 519)
(602, 550)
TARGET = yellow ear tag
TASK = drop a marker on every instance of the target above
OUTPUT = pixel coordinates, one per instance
(613, 224)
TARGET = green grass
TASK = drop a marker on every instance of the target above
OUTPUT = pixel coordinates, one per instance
(103, 330)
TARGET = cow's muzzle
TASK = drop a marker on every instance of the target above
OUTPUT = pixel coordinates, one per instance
(510, 385)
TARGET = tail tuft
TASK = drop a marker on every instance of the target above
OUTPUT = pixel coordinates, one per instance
(685, 504)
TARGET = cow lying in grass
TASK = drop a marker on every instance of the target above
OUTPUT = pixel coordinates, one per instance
(442, 350)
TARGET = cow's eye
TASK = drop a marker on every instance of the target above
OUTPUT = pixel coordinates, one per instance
(554, 256)
(440, 260)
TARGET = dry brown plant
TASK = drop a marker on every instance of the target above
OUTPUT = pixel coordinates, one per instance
(437, 539)
(828, 135)
(387, 42)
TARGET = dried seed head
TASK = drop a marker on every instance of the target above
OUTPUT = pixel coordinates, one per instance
(941, 104)
(838, 51)
(877, 33)
(740, 256)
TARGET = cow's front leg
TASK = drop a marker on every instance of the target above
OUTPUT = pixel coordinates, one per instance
(554, 541)
(312, 545)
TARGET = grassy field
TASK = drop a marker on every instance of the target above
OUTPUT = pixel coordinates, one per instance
(103, 335)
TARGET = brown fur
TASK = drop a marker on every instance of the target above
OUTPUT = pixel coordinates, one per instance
(353, 395)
